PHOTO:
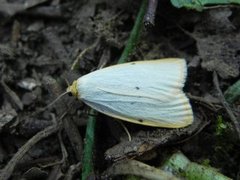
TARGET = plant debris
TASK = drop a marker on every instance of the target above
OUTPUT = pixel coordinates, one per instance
(46, 44)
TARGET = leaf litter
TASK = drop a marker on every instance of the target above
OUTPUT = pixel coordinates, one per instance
(47, 44)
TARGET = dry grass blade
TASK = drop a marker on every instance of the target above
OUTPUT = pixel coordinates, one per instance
(226, 105)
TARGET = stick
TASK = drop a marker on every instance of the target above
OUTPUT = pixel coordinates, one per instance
(226, 105)
(149, 19)
(8, 169)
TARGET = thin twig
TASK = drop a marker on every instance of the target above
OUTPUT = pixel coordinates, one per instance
(12, 95)
(73, 169)
(63, 148)
(226, 105)
(8, 169)
(213, 106)
(149, 18)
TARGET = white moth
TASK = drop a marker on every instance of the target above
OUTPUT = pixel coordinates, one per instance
(143, 92)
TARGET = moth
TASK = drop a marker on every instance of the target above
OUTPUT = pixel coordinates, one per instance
(144, 92)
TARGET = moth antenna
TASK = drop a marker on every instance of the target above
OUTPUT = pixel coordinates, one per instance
(54, 101)
(49, 105)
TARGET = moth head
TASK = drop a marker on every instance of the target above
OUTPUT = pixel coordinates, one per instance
(73, 89)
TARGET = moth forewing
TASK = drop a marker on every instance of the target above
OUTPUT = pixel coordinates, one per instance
(143, 92)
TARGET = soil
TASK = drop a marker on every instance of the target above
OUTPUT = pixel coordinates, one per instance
(46, 45)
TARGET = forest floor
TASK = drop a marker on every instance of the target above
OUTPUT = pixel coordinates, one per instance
(48, 44)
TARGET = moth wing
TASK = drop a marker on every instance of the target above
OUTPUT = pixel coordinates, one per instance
(145, 92)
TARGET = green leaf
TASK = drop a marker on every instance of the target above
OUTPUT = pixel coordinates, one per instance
(221, 126)
(232, 94)
(200, 4)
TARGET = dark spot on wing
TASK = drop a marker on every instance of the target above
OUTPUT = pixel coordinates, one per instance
(133, 63)
(137, 88)
(140, 120)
